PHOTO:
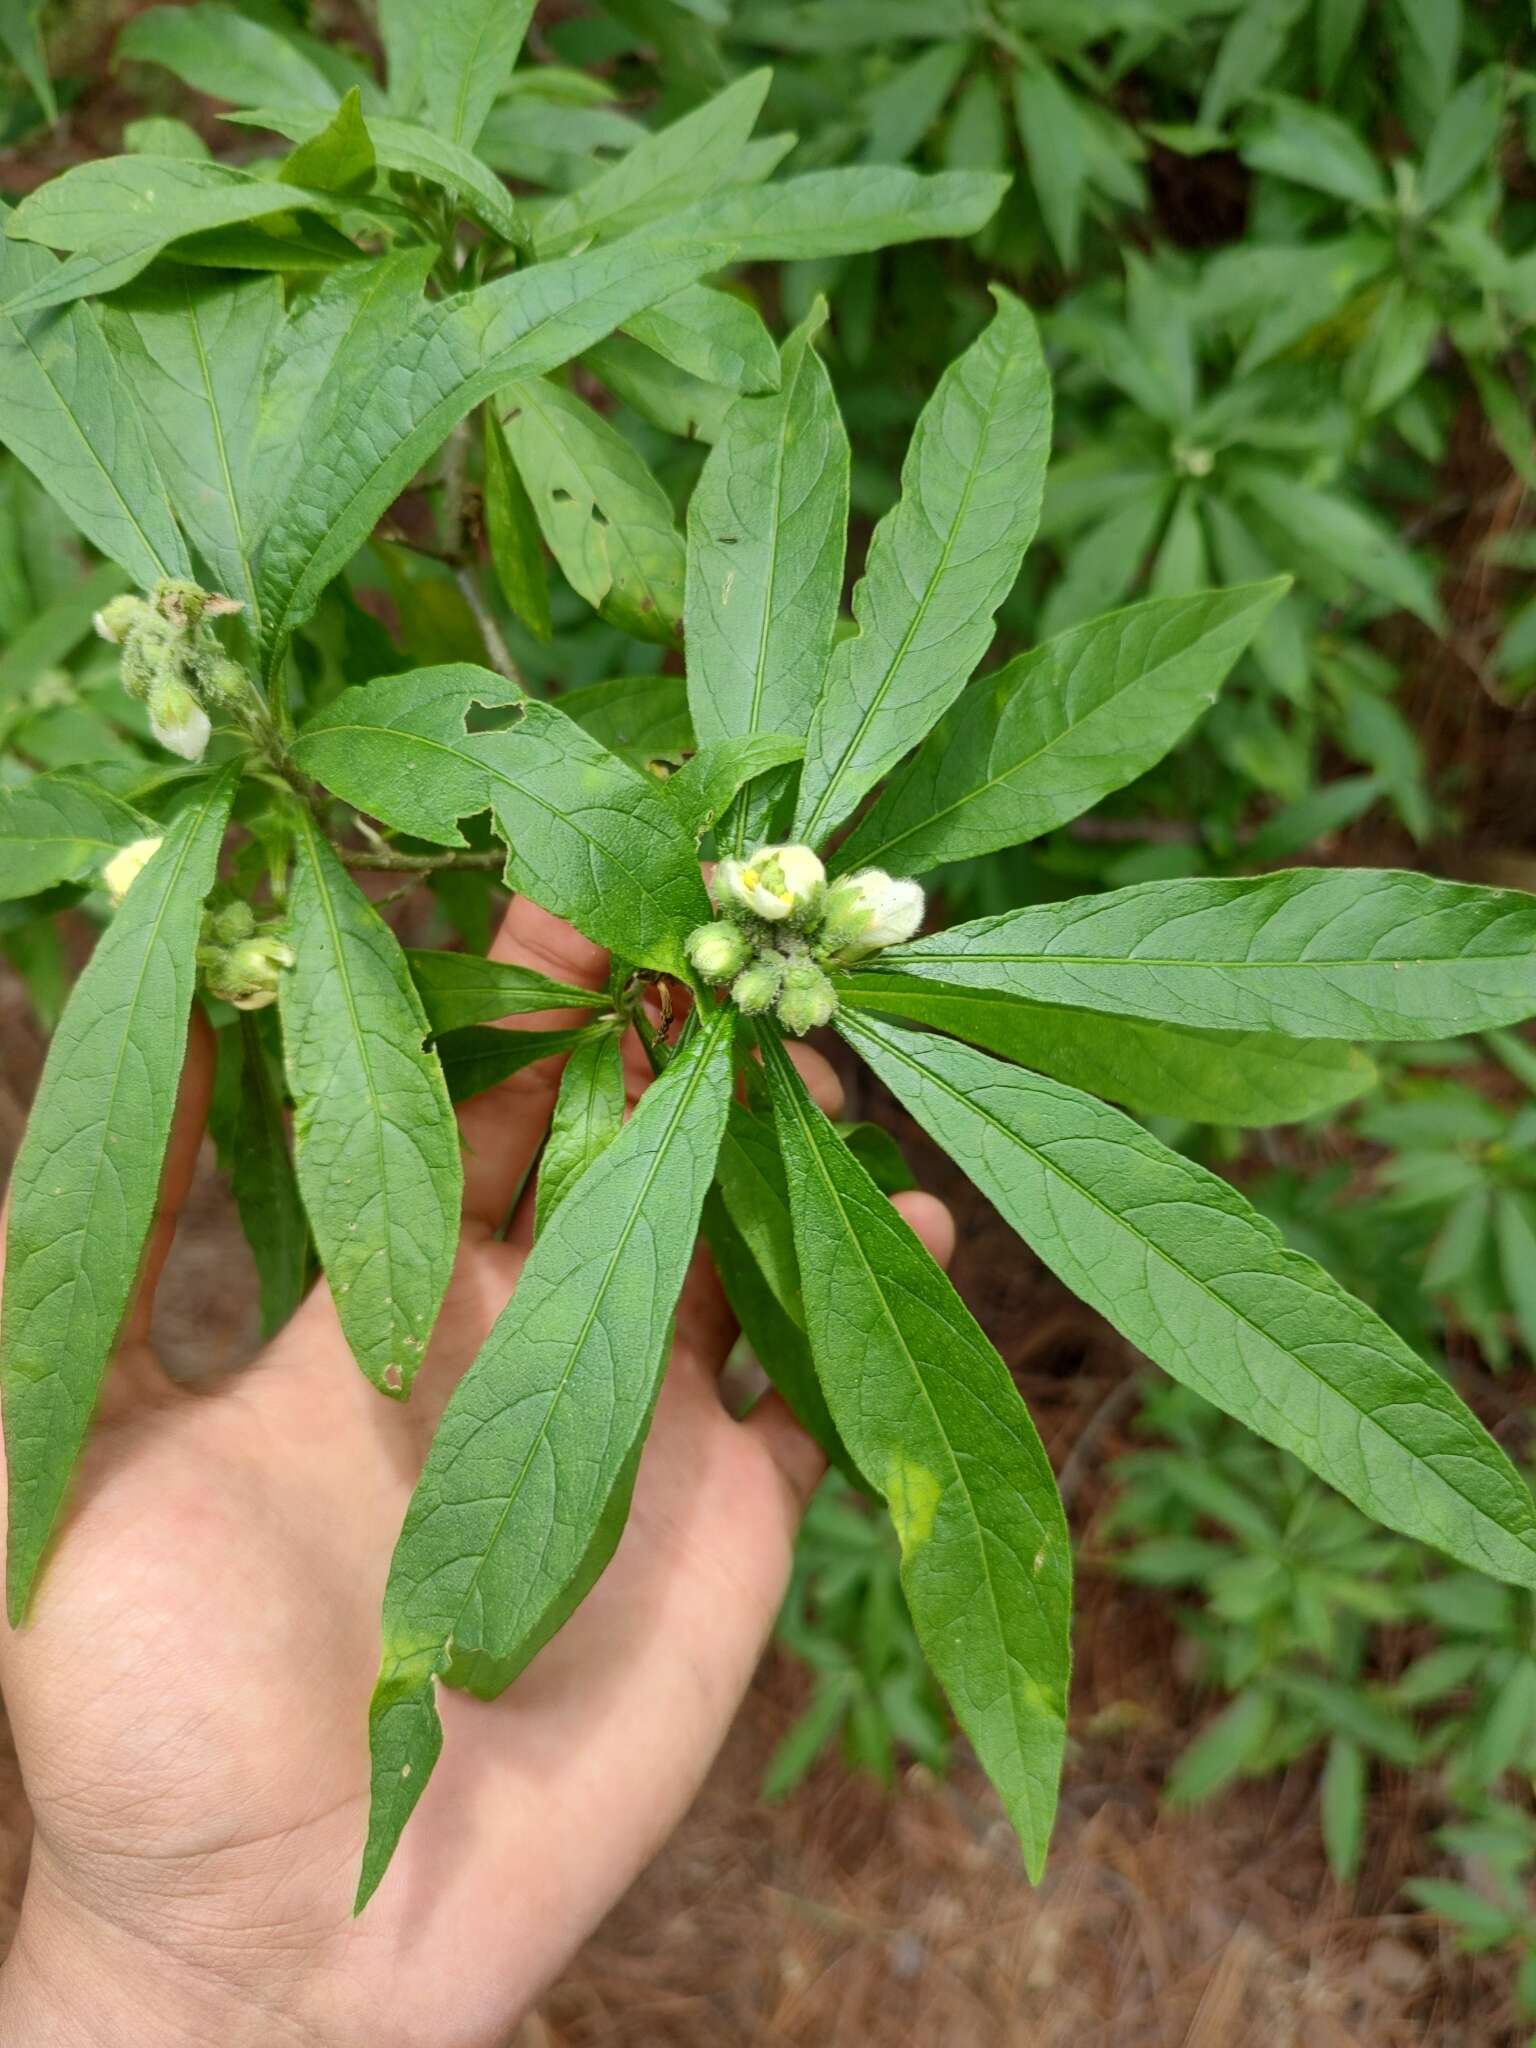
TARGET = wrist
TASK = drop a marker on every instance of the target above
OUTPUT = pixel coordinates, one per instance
(74, 1982)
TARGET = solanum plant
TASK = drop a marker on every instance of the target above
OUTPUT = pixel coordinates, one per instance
(231, 443)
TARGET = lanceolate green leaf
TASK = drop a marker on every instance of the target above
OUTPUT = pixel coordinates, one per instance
(933, 1421)
(218, 50)
(397, 748)
(678, 164)
(939, 565)
(1249, 1078)
(87, 1177)
(67, 413)
(395, 396)
(1049, 735)
(1180, 1263)
(196, 354)
(713, 335)
(407, 146)
(394, 405)
(481, 1056)
(58, 828)
(512, 533)
(607, 521)
(588, 837)
(22, 42)
(340, 331)
(702, 790)
(51, 635)
(766, 529)
(465, 988)
(117, 213)
(843, 212)
(588, 1116)
(752, 1241)
(1315, 953)
(377, 1147)
(253, 1146)
(527, 1483)
(465, 59)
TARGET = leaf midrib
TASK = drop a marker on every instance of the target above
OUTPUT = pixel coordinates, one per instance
(1057, 739)
(919, 615)
(909, 963)
(1154, 1250)
(221, 448)
(790, 1093)
(707, 1041)
(499, 775)
(111, 481)
(359, 1038)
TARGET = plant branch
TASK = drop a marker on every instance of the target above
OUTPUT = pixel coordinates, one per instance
(490, 631)
(389, 861)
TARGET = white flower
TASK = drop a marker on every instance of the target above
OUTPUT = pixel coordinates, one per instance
(869, 910)
(125, 867)
(178, 721)
(718, 950)
(775, 883)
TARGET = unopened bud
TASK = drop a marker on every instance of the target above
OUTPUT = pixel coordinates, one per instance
(229, 925)
(756, 988)
(719, 950)
(867, 911)
(247, 975)
(807, 998)
(125, 867)
(118, 616)
(178, 721)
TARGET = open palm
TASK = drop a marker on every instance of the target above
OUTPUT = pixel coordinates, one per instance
(190, 1701)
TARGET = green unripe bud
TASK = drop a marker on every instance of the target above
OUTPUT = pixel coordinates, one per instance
(118, 617)
(228, 926)
(177, 720)
(756, 988)
(718, 951)
(247, 974)
(807, 998)
(867, 911)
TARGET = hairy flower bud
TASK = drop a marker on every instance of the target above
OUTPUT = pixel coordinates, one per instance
(776, 882)
(719, 950)
(125, 867)
(247, 974)
(867, 911)
(806, 999)
(230, 924)
(756, 988)
(177, 720)
(118, 617)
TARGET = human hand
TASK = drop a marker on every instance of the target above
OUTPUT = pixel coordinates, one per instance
(190, 1700)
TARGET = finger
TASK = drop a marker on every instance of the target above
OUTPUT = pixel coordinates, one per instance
(187, 1127)
(798, 1456)
(504, 1128)
(820, 1078)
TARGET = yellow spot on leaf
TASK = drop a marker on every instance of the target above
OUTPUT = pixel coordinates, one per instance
(912, 1494)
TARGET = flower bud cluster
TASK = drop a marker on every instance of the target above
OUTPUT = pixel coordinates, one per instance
(172, 661)
(782, 925)
(242, 961)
